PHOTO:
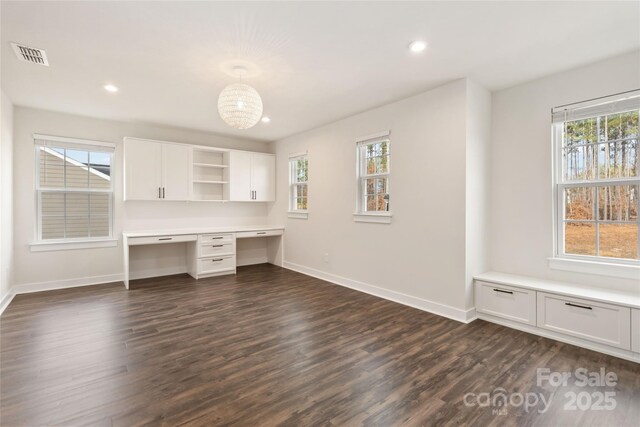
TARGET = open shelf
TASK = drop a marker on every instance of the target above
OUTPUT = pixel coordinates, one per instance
(208, 165)
(210, 175)
(203, 181)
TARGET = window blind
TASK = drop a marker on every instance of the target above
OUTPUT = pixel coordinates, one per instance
(597, 107)
(74, 188)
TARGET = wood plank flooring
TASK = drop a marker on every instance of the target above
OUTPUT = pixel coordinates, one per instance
(274, 347)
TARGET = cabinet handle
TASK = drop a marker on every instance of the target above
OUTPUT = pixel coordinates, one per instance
(504, 292)
(159, 194)
(255, 194)
(163, 192)
(216, 238)
(217, 246)
(586, 307)
(261, 232)
(217, 259)
(166, 238)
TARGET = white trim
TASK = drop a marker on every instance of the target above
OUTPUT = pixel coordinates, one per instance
(28, 288)
(464, 316)
(299, 154)
(381, 134)
(6, 300)
(378, 218)
(602, 348)
(73, 141)
(625, 271)
(298, 214)
(44, 246)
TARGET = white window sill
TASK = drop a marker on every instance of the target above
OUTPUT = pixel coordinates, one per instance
(379, 218)
(624, 271)
(65, 246)
(298, 214)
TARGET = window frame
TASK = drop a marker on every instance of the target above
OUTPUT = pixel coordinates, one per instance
(361, 214)
(595, 264)
(293, 211)
(40, 244)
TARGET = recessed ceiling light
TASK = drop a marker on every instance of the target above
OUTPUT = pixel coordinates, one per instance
(265, 119)
(417, 46)
(110, 88)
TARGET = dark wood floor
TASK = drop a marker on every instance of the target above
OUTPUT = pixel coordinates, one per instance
(270, 346)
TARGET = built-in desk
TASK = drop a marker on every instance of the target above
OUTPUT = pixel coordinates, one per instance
(210, 252)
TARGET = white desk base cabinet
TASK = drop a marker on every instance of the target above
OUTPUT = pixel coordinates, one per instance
(210, 252)
(213, 255)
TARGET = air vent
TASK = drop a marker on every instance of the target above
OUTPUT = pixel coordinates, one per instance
(30, 54)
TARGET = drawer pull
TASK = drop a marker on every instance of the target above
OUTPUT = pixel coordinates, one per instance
(217, 246)
(217, 238)
(217, 259)
(261, 232)
(166, 238)
(586, 307)
(504, 292)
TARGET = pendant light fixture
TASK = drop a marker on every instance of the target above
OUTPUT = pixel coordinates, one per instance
(240, 105)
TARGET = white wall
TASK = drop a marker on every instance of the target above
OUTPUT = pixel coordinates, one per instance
(421, 254)
(95, 265)
(6, 196)
(521, 201)
(478, 158)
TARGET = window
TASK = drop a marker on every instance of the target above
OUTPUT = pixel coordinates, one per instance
(298, 185)
(597, 179)
(373, 170)
(74, 190)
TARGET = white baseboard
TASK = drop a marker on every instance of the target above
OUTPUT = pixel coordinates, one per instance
(590, 345)
(4, 303)
(415, 302)
(68, 283)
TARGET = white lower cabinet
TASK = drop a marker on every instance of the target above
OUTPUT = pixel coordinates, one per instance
(219, 264)
(594, 321)
(635, 330)
(507, 302)
(213, 255)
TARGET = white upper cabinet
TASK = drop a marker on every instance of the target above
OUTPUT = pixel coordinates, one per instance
(252, 177)
(156, 171)
(263, 177)
(176, 167)
(240, 176)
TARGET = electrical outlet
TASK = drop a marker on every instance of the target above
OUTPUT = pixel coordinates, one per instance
(325, 258)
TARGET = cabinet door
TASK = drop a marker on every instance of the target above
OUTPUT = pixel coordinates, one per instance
(263, 177)
(239, 176)
(635, 330)
(176, 168)
(143, 169)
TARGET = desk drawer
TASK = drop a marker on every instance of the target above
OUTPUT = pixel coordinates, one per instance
(209, 249)
(595, 321)
(215, 264)
(508, 302)
(265, 233)
(215, 238)
(133, 241)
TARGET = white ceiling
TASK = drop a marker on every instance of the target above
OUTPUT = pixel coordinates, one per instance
(312, 62)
